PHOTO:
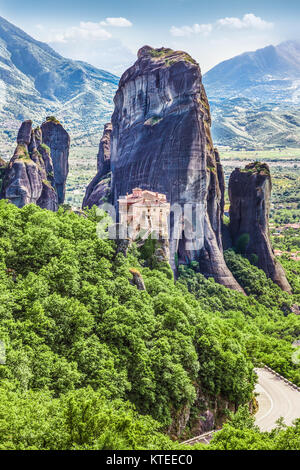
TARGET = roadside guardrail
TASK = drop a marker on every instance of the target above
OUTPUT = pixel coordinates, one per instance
(288, 382)
(208, 435)
(203, 437)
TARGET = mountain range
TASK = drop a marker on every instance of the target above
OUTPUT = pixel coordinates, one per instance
(36, 81)
(268, 74)
(254, 97)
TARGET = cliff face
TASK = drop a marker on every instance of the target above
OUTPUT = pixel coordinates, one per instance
(58, 140)
(30, 175)
(98, 191)
(249, 193)
(2, 171)
(103, 157)
(161, 141)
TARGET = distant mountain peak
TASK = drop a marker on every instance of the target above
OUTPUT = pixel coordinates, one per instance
(12, 30)
(250, 74)
(255, 98)
(36, 81)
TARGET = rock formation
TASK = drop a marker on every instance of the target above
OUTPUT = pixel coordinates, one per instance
(58, 140)
(98, 191)
(137, 279)
(249, 193)
(103, 157)
(30, 176)
(2, 171)
(161, 141)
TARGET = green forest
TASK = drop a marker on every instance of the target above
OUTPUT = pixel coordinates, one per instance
(91, 362)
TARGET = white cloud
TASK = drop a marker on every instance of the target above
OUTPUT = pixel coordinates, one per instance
(115, 56)
(248, 21)
(86, 30)
(189, 30)
(117, 22)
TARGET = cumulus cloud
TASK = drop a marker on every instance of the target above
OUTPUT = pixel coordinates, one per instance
(248, 21)
(88, 30)
(117, 22)
(189, 30)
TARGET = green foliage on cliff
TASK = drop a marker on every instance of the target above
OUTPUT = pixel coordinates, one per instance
(242, 243)
(165, 53)
(94, 363)
(257, 167)
(52, 119)
(46, 148)
(22, 153)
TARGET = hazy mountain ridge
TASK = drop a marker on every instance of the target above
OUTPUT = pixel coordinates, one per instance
(255, 98)
(36, 81)
(268, 74)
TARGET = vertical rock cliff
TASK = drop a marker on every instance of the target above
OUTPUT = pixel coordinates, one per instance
(2, 171)
(161, 141)
(98, 191)
(30, 175)
(249, 193)
(103, 157)
(58, 140)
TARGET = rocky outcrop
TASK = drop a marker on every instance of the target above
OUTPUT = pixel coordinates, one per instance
(103, 157)
(249, 193)
(161, 141)
(137, 279)
(30, 176)
(296, 310)
(207, 415)
(3, 165)
(58, 140)
(24, 134)
(98, 191)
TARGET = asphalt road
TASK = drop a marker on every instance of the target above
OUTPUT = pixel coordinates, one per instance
(276, 399)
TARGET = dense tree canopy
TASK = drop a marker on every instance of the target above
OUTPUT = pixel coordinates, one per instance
(104, 365)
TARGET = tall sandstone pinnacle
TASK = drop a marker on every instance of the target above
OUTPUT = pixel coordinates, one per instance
(31, 174)
(58, 140)
(249, 193)
(161, 141)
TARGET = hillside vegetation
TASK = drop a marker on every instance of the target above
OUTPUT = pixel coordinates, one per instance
(94, 363)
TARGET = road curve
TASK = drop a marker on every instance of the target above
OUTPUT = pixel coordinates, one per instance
(276, 399)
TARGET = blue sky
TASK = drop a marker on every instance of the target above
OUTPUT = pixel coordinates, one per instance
(108, 33)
